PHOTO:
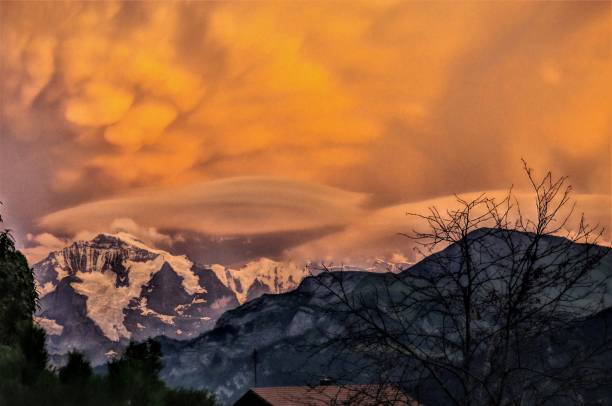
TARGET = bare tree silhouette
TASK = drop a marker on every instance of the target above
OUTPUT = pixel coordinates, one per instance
(506, 309)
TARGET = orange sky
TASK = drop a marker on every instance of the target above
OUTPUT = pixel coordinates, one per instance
(355, 106)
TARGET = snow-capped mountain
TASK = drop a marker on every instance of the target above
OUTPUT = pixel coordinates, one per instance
(96, 295)
(261, 276)
(267, 276)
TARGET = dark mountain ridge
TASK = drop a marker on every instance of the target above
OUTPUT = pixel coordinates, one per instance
(288, 330)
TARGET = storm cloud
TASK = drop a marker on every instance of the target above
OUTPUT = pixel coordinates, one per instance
(144, 110)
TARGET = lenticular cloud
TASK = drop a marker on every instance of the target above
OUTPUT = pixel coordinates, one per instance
(235, 206)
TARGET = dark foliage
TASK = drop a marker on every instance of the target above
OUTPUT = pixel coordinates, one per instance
(32, 345)
(76, 371)
(17, 292)
(135, 376)
(187, 397)
(147, 355)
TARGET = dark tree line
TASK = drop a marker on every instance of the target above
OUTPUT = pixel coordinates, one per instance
(506, 309)
(26, 377)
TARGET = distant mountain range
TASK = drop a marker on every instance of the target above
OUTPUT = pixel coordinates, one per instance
(284, 329)
(259, 277)
(97, 295)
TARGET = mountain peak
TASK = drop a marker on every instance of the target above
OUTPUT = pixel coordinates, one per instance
(122, 288)
(121, 237)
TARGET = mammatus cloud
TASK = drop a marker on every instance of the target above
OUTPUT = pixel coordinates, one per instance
(156, 92)
(402, 101)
